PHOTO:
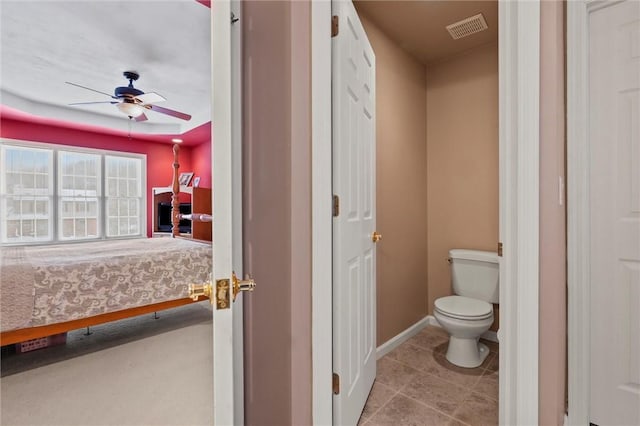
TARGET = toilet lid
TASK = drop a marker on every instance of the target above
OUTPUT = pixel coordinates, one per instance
(464, 307)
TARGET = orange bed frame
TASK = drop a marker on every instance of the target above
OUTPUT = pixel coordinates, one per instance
(24, 334)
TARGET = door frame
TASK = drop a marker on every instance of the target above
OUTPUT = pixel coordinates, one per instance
(519, 59)
(236, 199)
(578, 201)
(321, 216)
(519, 180)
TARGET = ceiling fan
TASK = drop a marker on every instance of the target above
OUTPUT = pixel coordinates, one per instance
(133, 102)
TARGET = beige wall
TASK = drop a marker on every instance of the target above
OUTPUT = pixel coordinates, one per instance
(401, 179)
(437, 139)
(277, 211)
(462, 160)
(553, 295)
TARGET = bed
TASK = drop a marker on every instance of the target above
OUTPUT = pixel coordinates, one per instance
(51, 289)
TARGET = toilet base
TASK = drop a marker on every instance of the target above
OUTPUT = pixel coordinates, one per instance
(467, 353)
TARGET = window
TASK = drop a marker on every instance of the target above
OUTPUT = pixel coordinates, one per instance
(124, 196)
(78, 195)
(27, 194)
(53, 193)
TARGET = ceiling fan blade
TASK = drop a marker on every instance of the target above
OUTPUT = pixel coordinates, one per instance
(170, 112)
(141, 117)
(93, 90)
(90, 103)
(149, 98)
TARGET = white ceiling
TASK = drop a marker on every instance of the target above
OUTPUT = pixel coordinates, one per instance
(45, 43)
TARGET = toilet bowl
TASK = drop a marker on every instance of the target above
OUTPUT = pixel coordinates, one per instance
(469, 312)
(465, 319)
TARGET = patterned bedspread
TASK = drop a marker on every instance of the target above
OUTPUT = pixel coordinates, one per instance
(43, 285)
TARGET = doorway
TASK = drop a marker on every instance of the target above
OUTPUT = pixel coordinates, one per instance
(518, 129)
(146, 356)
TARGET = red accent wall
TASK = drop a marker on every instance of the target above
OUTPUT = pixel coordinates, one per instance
(159, 155)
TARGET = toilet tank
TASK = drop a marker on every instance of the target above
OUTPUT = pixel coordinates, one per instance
(475, 274)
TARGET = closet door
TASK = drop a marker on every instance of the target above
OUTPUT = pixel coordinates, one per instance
(614, 137)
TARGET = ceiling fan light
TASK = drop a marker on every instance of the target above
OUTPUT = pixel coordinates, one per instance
(131, 109)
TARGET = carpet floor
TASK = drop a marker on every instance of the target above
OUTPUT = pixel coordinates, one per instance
(138, 371)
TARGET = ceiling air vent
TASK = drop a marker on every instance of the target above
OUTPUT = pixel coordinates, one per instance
(466, 27)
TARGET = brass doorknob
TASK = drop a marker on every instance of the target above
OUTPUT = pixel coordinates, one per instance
(248, 284)
(376, 237)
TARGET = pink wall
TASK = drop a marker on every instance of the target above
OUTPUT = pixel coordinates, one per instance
(553, 295)
(277, 212)
(159, 155)
(266, 218)
(201, 163)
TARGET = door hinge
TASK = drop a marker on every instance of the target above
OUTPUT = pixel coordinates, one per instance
(500, 249)
(335, 29)
(336, 384)
(336, 205)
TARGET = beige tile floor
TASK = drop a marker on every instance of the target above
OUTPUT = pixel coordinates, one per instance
(416, 385)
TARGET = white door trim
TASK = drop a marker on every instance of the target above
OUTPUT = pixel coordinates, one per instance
(236, 198)
(578, 201)
(519, 52)
(577, 214)
(321, 221)
(519, 75)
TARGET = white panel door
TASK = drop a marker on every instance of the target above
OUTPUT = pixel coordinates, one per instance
(614, 136)
(354, 254)
(228, 360)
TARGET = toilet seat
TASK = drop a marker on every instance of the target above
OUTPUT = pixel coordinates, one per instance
(464, 308)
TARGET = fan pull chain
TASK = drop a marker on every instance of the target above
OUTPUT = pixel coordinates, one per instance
(130, 128)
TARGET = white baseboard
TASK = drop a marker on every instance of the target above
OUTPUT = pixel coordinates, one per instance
(399, 339)
(405, 335)
(433, 321)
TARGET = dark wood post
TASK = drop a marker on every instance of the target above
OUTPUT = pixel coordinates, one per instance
(175, 200)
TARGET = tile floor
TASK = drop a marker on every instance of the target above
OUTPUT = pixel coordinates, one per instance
(416, 385)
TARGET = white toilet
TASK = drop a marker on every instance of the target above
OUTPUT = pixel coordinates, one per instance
(468, 314)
